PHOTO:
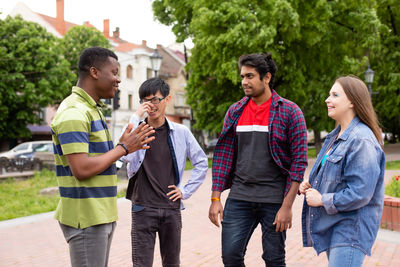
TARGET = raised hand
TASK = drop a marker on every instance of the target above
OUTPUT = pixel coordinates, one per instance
(139, 138)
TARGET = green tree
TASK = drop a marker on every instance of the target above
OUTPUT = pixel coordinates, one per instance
(312, 43)
(76, 40)
(33, 75)
(385, 62)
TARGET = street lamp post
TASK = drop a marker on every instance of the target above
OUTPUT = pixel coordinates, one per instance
(369, 78)
(156, 60)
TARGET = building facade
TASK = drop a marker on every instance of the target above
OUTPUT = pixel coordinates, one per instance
(135, 68)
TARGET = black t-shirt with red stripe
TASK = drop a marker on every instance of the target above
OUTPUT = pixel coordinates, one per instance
(257, 177)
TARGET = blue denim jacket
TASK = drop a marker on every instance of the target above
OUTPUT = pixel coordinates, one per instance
(351, 182)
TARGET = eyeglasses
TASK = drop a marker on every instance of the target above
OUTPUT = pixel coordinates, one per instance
(154, 100)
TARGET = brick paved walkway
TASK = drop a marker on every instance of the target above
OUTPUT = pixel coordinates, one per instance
(40, 243)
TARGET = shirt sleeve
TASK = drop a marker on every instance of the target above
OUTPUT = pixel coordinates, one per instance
(361, 172)
(223, 156)
(298, 145)
(72, 131)
(199, 160)
(134, 159)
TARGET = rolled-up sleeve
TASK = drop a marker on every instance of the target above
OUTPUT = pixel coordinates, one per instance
(327, 202)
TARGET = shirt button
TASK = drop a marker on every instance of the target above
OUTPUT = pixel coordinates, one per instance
(312, 215)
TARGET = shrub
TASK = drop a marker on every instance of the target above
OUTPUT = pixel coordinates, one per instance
(393, 189)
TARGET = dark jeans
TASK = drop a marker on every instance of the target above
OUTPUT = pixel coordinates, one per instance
(240, 220)
(146, 222)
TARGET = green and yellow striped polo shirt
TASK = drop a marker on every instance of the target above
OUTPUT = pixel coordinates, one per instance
(79, 127)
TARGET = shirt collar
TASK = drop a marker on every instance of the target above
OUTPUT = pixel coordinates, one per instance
(170, 125)
(275, 98)
(350, 128)
(82, 93)
(347, 132)
(254, 106)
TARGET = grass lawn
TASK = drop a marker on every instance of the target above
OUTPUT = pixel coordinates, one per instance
(311, 153)
(21, 198)
(393, 165)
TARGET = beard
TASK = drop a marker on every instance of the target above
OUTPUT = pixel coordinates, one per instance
(251, 92)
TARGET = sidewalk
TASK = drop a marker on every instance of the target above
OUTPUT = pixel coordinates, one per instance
(38, 241)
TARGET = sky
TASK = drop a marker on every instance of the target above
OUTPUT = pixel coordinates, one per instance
(133, 17)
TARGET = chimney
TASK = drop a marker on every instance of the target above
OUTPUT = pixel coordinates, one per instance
(60, 23)
(144, 43)
(106, 28)
(116, 32)
(159, 47)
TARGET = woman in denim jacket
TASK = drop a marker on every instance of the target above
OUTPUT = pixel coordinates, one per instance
(344, 195)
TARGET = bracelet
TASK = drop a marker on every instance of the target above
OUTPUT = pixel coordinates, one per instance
(124, 147)
(215, 199)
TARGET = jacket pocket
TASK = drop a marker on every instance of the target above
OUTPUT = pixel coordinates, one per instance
(333, 168)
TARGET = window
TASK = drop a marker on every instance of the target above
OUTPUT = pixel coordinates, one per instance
(42, 114)
(130, 102)
(129, 71)
(180, 99)
(42, 148)
(21, 147)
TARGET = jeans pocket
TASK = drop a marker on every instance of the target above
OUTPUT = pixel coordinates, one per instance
(69, 232)
(137, 208)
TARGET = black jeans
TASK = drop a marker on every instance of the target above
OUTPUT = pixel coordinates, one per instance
(240, 220)
(146, 222)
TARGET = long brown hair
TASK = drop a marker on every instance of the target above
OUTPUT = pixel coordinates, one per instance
(358, 94)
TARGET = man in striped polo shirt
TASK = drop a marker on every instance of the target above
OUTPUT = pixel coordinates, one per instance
(261, 156)
(85, 159)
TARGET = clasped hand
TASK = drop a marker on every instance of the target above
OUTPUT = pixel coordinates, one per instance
(313, 197)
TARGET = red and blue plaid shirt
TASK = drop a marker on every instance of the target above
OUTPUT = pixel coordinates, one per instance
(287, 139)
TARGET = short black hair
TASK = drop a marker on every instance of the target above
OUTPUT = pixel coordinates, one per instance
(263, 64)
(93, 57)
(152, 86)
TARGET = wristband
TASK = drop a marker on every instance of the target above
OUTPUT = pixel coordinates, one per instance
(215, 199)
(124, 147)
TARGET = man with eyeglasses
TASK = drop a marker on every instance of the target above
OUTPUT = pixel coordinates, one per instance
(155, 186)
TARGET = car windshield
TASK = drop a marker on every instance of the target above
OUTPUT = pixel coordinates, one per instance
(21, 147)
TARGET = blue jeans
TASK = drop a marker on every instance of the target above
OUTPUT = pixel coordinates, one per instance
(345, 257)
(89, 247)
(240, 220)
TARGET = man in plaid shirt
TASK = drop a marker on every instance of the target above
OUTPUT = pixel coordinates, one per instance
(261, 157)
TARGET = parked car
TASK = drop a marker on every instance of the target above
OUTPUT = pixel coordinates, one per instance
(28, 149)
